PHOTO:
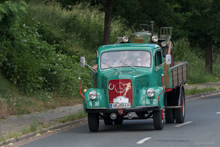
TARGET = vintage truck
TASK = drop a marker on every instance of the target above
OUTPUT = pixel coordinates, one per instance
(136, 79)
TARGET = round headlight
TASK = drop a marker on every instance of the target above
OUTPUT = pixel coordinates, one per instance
(154, 38)
(163, 44)
(125, 38)
(92, 94)
(150, 92)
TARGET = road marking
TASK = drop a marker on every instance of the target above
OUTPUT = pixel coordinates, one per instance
(217, 113)
(184, 124)
(143, 140)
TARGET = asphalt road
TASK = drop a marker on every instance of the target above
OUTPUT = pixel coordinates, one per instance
(201, 128)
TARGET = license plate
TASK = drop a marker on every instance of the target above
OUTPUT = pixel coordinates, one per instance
(120, 105)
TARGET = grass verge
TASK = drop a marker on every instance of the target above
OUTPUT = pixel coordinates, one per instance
(71, 117)
(39, 126)
(195, 90)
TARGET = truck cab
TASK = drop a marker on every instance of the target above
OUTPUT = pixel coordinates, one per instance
(134, 80)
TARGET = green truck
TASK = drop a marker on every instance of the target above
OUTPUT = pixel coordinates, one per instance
(136, 78)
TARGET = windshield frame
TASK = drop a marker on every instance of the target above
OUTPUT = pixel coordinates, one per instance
(101, 63)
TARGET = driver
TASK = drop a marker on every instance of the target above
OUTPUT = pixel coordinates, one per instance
(144, 60)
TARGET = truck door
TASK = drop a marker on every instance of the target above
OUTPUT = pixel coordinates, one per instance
(158, 69)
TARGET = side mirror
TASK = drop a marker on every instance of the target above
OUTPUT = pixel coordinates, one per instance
(168, 59)
(82, 61)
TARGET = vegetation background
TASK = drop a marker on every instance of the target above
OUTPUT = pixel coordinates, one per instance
(41, 42)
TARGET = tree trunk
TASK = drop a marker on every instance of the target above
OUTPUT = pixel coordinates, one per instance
(107, 30)
(208, 54)
(108, 6)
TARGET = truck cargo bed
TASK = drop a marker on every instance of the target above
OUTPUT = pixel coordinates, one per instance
(176, 75)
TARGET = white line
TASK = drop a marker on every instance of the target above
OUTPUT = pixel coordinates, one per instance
(143, 140)
(184, 124)
(217, 113)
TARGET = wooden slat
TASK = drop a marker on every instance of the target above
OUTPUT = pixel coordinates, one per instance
(167, 80)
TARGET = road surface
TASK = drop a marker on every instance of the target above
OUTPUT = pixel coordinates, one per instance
(201, 128)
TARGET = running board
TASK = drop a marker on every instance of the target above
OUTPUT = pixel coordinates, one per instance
(173, 107)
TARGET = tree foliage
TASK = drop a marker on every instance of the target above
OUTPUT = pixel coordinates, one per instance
(200, 22)
(28, 60)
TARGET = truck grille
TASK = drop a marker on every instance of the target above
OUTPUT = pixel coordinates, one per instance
(120, 93)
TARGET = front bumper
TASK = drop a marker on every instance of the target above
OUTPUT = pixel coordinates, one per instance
(115, 110)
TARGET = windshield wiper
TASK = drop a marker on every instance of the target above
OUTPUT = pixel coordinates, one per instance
(109, 65)
(127, 64)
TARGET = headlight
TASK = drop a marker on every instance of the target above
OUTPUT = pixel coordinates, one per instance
(92, 94)
(154, 38)
(125, 38)
(150, 92)
(163, 44)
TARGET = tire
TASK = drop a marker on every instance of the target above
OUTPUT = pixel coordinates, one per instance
(107, 119)
(180, 112)
(119, 120)
(93, 122)
(169, 116)
(158, 120)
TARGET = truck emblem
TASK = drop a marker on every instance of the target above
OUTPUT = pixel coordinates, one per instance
(120, 87)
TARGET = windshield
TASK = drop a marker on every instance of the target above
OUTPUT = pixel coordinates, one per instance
(125, 59)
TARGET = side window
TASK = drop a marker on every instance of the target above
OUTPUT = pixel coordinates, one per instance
(158, 58)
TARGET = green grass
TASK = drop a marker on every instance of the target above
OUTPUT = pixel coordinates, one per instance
(12, 102)
(82, 28)
(198, 91)
(71, 117)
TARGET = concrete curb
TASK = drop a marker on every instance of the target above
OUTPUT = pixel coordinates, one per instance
(26, 136)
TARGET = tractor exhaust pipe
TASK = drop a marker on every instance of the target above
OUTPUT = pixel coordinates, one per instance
(152, 27)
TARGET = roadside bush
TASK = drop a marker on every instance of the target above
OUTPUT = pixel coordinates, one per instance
(34, 64)
(196, 73)
(82, 25)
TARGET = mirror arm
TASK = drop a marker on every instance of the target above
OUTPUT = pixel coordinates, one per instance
(94, 70)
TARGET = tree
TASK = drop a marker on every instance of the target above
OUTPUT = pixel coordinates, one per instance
(131, 11)
(108, 7)
(200, 24)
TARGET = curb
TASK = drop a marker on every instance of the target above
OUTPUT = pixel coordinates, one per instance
(26, 136)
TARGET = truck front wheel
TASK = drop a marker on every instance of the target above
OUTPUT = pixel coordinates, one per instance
(180, 112)
(158, 120)
(93, 121)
